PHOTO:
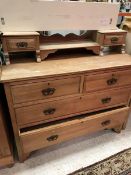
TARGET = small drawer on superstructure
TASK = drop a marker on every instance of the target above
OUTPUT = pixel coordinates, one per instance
(111, 37)
(114, 39)
(17, 44)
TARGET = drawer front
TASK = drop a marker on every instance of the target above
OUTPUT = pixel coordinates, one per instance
(71, 106)
(43, 137)
(107, 80)
(45, 90)
(21, 44)
(105, 99)
(46, 111)
(114, 39)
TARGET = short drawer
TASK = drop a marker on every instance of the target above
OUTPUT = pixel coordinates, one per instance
(114, 39)
(49, 135)
(107, 80)
(71, 106)
(15, 44)
(45, 89)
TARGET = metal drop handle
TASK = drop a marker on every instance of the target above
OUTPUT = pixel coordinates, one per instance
(52, 138)
(22, 44)
(49, 111)
(112, 81)
(114, 39)
(48, 91)
(106, 100)
(105, 123)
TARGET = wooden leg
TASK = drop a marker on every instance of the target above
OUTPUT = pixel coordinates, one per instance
(7, 59)
(125, 122)
(38, 58)
(118, 129)
(101, 51)
(24, 157)
(123, 49)
(124, 125)
(11, 165)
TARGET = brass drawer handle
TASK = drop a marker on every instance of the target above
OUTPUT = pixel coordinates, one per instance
(22, 44)
(114, 39)
(112, 81)
(52, 138)
(48, 91)
(105, 123)
(49, 111)
(106, 100)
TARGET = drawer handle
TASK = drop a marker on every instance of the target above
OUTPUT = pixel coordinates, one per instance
(112, 81)
(105, 123)
(114, 39)
(52, 138)
(106, 100)
(22, 45)
(49, 111)
(48, 91)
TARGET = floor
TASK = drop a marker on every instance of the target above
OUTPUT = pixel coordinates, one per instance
(73, 155)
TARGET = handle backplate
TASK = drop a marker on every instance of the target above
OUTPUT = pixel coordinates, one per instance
(22, 44)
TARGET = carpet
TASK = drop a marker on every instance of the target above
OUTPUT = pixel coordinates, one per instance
(118, 164)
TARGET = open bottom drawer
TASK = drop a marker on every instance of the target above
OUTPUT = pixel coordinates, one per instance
(36, 138)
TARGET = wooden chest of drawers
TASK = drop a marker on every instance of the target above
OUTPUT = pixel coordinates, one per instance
(49, 106)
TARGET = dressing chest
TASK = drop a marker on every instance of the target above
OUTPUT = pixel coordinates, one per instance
(58, 100)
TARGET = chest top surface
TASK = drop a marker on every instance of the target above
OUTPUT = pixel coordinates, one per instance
(63, 66)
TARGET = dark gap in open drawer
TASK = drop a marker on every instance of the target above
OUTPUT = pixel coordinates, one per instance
(67, 119)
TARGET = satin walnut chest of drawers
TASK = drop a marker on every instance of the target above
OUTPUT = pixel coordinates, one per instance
(50, 105)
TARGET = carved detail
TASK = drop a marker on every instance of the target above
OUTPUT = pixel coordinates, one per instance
(69, 37)
(38, 58)
(123, 49)
(7, 59)
(95, 49)
(44, 53)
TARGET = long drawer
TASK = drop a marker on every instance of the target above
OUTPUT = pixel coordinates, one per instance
(56, 109)
(57, 133)
(107, 80)
(45, 89)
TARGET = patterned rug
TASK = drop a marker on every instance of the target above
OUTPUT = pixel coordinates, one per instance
(118, 164)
